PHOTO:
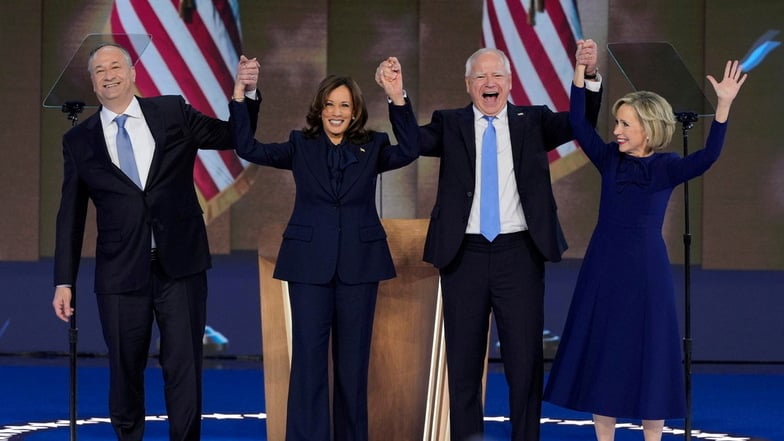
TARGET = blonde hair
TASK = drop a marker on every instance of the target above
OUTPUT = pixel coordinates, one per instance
(655, 114)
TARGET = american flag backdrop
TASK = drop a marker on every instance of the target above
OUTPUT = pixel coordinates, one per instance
(194, 52)
(539, 40)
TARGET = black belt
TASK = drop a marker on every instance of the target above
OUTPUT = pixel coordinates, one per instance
(478, 243)
(501, 238)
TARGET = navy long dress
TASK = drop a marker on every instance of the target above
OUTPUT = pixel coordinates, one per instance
(620, 354)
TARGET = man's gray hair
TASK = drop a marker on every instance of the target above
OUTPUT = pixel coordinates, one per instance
(485, 50)
(124, 51)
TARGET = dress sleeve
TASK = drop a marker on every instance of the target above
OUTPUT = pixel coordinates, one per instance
(590, 141)
(697, 163)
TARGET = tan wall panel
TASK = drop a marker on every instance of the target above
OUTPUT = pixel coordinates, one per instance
(64, 27)
(20, 130)
(356, 47)
(449, 32)
(577, 193)
(744, 192)
(290, 39)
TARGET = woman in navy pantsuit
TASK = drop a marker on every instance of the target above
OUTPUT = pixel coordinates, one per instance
(334, 250)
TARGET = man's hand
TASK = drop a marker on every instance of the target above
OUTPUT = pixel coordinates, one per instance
(389, 75)
(587, 55)
(247, 76)
(62, 303)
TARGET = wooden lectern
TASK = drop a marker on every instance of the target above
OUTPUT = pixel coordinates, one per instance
(408, 395)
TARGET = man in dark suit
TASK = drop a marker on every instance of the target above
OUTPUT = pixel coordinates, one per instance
(134, 159)
(495, 263)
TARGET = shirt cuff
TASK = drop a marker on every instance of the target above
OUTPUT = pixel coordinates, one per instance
(594, 85)
(405, 95)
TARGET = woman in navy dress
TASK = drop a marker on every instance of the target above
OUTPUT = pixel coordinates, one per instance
(334, 251)
(619, 356)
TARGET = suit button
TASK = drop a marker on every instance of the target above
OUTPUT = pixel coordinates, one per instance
(469, 194)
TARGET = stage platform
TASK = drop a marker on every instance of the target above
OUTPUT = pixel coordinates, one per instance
(731, 403)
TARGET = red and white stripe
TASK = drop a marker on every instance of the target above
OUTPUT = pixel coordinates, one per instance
(197, 60)
(541, 56)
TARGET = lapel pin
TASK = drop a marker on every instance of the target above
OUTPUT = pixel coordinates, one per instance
(521, 114)
(362, 149)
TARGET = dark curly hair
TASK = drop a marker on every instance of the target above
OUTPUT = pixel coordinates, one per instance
(356, 132)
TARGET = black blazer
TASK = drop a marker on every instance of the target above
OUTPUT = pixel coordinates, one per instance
(125, 214)
(330, 233)
(534, 131)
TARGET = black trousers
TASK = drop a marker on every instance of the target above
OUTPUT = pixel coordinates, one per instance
(179, 308)
(343, 313)
(505, 277)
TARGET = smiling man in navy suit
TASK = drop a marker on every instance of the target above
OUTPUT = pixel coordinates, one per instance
(134, 159)
(496, 263)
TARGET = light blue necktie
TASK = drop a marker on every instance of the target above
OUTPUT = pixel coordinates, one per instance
(489, 216)
(125, 151)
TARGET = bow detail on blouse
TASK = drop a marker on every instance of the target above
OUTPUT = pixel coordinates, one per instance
(338, 158)
(633, 171)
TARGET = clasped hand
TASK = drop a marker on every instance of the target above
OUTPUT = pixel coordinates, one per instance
(389, 75)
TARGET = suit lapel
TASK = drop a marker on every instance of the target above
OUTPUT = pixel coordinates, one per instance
(517, 120)
(97, 141)
(466, 124)
(316, 159)
(466, 168)
(156, 121)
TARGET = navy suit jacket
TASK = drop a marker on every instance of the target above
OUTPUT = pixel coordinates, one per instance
(126, 215)
(534, 131)
(330, 233)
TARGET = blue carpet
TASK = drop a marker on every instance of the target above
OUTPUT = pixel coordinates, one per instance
(727, 407)
(233, 403)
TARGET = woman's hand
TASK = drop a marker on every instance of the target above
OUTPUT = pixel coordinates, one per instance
(727, 89)
(389, 75)
(247, 77)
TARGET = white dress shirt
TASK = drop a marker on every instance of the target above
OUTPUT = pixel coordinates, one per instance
(511, 211)
(139, 132)
(141, 139)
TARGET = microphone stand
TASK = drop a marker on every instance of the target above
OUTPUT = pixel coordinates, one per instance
(73, 109)
(687, 120)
